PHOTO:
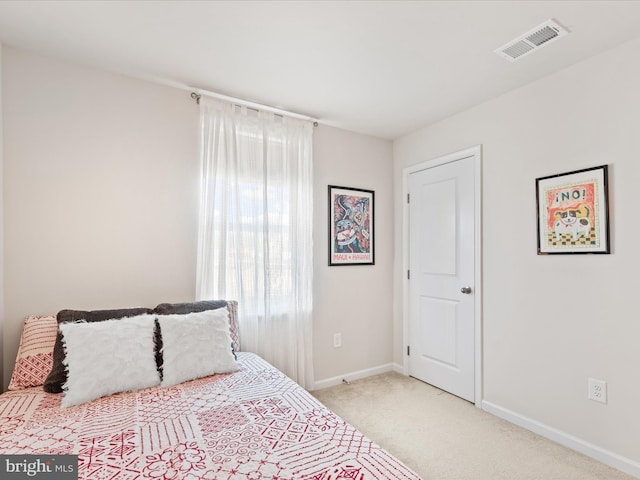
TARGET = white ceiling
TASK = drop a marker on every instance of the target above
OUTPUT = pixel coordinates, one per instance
(384, 68)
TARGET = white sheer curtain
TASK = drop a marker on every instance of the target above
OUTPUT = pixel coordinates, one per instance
(255, 233)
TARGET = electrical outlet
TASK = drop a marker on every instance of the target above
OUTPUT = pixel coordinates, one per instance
(597, 390)
(337, 340)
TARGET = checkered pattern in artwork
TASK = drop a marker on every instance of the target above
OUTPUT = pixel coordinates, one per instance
(566, 240)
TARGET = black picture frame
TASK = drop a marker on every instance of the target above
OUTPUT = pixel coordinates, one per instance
(573, 212)
(351, 226)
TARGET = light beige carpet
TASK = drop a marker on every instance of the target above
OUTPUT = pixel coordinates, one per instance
(442, 437)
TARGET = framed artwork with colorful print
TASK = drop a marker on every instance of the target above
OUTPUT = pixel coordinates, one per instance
(351, 226)
(573, 212)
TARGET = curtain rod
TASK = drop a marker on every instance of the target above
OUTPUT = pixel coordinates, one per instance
(253, 106)
(199, 92)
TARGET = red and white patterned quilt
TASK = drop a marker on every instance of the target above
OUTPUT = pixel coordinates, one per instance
(254, 424)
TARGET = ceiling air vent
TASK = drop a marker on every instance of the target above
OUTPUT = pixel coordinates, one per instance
(531, 41)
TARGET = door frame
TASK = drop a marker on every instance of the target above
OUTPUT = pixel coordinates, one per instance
(476, 153)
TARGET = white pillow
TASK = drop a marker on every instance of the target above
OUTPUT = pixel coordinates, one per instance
(195, 345)
(107, 357)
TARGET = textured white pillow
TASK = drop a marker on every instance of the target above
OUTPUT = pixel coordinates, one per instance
(107, 357)
(195, 345)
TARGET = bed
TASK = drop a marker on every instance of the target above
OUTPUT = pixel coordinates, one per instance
(252, 423)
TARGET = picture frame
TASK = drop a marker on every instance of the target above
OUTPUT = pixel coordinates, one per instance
(351, 226)
(573, 212)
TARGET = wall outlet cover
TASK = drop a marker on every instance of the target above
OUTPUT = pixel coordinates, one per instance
(597, 390)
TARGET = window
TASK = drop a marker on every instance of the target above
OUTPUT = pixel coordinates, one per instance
(255, 242)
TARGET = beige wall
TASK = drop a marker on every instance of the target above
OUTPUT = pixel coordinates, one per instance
(552, 321)
(100, 191)
(355, 301)
(101, 198)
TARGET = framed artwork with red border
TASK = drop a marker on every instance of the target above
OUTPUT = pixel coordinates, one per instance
(573, 212)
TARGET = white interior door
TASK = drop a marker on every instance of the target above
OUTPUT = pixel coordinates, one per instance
(441, 276)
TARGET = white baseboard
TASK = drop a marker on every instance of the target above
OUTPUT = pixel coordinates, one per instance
(609, 458)
(349, 377)
(398, 368)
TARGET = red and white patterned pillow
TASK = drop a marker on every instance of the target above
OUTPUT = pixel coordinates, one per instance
(35, 354)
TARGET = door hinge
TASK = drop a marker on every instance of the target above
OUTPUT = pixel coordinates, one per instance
(408, 198)
(408, 350)
(408, 274)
